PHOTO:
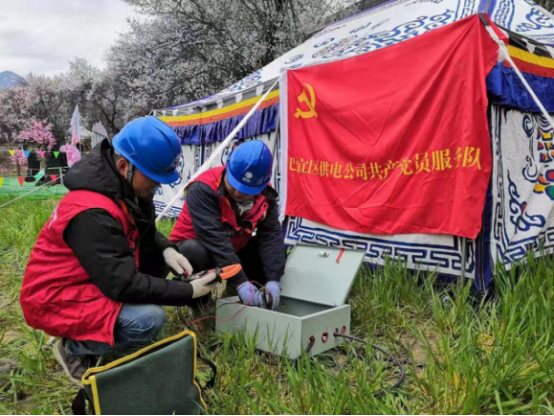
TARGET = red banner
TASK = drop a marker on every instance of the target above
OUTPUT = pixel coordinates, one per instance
(395, 141)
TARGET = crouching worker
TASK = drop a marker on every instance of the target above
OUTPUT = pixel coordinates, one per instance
(96, 275)
(224, 206)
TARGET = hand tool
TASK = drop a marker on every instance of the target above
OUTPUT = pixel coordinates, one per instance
(222, 273)
(268, 299)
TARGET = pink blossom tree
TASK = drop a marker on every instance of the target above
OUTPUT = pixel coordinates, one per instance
(39, 132)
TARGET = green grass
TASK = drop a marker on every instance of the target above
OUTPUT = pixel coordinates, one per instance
(11, 188)
(462, 355)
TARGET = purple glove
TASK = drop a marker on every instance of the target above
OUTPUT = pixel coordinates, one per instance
(274, 289)
(250, 295)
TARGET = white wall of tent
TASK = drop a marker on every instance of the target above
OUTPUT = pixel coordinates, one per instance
(516, 219)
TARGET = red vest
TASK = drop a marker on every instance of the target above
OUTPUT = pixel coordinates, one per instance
(183, 229)
(57, 295)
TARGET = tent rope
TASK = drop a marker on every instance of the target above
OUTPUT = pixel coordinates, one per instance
(506, 55)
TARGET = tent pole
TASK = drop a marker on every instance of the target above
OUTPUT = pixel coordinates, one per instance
(464, 256)
(277, 135)
(216, 153)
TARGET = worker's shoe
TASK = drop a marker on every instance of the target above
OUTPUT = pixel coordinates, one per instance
(74, 366)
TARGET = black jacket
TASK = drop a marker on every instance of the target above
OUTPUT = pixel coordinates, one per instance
(205, 213)
(99, 242)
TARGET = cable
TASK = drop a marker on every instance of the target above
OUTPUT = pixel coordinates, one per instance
(311, 343)
(189, 323)
(395, 360)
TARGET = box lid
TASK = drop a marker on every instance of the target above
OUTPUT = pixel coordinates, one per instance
(320, 275)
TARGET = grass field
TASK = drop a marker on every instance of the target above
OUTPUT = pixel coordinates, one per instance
(11, 188)
(462, 355)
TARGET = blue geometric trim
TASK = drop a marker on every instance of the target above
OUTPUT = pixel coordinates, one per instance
(447, 257)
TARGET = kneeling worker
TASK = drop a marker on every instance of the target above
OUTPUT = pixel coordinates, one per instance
(224, 206)
(97, 272)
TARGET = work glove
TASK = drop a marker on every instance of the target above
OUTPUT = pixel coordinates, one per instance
(274, 289)
(250, 295)
(177, 262)
(203, 285)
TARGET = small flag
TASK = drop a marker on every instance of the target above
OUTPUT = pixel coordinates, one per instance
(75, 133)
(12, 152)
(54, 178)
(1, 182)
(27, 153)
(56, 154)
(41, 153)
(21, 179)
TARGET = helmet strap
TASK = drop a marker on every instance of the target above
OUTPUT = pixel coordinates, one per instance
(130, 173)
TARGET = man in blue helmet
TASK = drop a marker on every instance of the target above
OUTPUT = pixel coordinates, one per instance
(96, 276)
(223, 209)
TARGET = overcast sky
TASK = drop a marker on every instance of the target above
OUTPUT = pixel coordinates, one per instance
(41, 36)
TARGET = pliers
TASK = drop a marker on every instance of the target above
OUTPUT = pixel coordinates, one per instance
(268, 299)
(222, 273)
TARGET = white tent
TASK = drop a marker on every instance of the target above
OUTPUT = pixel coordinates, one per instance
(517, 216)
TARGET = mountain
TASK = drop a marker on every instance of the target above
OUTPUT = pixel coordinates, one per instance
(9, 79)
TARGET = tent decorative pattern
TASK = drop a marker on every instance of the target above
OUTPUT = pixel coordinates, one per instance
(519, 214)
(442, 254)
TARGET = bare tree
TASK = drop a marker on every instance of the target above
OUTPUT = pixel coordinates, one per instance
(187, 49)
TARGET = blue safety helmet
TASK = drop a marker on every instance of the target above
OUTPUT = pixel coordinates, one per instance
(249, 167)
(152, 147)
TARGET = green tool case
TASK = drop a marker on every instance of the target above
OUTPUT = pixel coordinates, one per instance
(159, 379)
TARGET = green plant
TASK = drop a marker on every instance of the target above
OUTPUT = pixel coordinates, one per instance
(462, 354)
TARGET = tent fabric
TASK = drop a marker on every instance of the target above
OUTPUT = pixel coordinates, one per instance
(371, 30)
(536, 62)
(506, 89)
(213, 121)
(261, 122)
(429, 252)
(522, 188)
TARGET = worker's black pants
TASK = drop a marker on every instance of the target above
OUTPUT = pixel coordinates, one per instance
(201, 259)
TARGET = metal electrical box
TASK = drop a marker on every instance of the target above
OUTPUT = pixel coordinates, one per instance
(315, 285)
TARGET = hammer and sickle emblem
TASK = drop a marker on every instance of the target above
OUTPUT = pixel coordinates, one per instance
(310, 102)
